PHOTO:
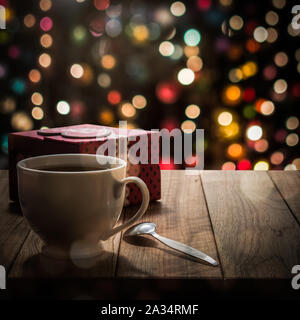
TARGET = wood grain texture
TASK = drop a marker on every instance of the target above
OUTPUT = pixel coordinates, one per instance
(256, 235)
(180, 215)
(13, 227)
(31, 263)
(288, 184)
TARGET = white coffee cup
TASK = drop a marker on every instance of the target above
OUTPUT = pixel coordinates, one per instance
(72, 211)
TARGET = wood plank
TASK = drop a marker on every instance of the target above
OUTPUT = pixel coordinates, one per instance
(13, 227)
(31, 263)
(180, 215)
(288, 184)
(256, 235)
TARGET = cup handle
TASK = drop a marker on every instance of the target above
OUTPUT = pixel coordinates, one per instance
(145, 202)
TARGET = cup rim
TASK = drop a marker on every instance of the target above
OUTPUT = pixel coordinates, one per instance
(122, 163)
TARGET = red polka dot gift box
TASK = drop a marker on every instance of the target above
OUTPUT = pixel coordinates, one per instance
(140, 147)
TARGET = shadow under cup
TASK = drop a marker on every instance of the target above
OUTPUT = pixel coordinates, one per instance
(72, 210)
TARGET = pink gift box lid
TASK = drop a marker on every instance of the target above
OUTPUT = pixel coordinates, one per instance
(79, 134)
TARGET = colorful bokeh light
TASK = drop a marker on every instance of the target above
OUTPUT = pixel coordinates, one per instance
(235, 151)
(63, 107)
(254, 132)
(108, 61)
(225, 118)
(37, 113)
(167, 92)
(76, 71)
(261, 166)
(192, 111)
(232, 95)
(178, 8)
(139, 101)
(45, 60)
(244, 164)
(46, 40)
(186, 76)
(127, 110)
(101, 4)
(34, 76)
(114, 97)
(188, 126)
(46, 24)
(192, 37)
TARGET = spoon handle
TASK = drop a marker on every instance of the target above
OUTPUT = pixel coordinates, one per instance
(185, 249)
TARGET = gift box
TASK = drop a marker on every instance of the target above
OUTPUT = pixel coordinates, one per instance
(92, 139)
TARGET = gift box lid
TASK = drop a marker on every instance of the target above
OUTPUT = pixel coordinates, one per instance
(79, 134)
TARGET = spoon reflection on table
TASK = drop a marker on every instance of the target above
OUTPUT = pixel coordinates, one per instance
(149, 228)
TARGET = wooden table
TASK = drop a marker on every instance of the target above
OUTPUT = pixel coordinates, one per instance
(249, 221)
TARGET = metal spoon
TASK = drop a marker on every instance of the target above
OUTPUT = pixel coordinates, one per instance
(149, 228)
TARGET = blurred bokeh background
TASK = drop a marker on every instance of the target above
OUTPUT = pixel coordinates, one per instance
(229, 67)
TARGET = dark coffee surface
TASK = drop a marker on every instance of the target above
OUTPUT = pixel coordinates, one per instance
(70, 168)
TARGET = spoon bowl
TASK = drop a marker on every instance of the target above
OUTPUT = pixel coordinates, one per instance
(141, 228)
